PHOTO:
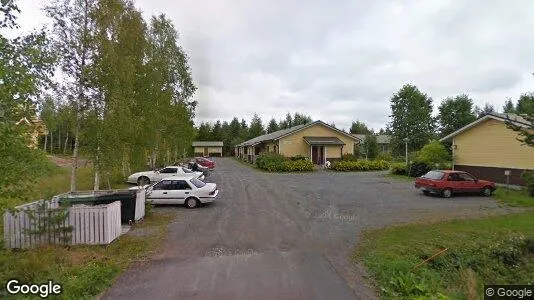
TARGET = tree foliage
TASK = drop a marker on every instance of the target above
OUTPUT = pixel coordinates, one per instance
(454, 113)
(370, 146)
(487, 109)
(411, 118)
(433, 153)
(359, 128)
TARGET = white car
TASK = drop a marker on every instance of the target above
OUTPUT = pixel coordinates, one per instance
(143, 178)
(187, 190)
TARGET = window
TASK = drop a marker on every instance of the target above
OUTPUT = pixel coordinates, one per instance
(169, 170)
(453, 177)
(180, 185)
(433, 175)
(163, 185)
(465, 177)
(198, 183)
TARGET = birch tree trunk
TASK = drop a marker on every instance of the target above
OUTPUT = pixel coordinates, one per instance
(65, 146)
(46, 142)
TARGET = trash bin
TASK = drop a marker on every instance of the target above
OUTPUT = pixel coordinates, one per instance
(127, 199)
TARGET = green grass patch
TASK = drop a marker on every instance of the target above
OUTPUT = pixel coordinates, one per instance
(513, 197)
(400, 177)
(493, 250)
(84, 271)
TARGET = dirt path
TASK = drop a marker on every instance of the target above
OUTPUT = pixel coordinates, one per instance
(281, 236)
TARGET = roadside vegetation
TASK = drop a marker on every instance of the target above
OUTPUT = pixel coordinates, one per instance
(498, 250)
(360, 165)
(83, 271)
(273, 162)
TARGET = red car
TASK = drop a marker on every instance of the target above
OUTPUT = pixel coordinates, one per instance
(210, 164)
(448, 182)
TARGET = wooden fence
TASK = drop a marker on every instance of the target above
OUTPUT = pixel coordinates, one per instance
(100, 224)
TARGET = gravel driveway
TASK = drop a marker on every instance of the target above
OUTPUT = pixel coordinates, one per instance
(281, 236)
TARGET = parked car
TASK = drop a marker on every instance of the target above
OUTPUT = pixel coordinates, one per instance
(205, 162)
(449, 182)
(198, 167)
(187, 190)
(142, 178)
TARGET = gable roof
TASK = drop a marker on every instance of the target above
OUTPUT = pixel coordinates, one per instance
(285, 132)
(207, 144)
(515, 119)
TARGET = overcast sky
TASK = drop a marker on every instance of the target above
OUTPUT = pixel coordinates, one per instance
(340, 61)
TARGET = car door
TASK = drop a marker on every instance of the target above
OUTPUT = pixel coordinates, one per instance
(453, 180)
(178, 192)
(469, 184)
(159, 194)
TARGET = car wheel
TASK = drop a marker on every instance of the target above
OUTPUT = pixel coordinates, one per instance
(447, 193)
(191, 203)
(487, 191)
(143, 180)
(426, 193)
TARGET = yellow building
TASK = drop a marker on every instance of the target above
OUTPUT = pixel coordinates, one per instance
(208, 148)
(317, 141)
(35, 128)
(488, 149)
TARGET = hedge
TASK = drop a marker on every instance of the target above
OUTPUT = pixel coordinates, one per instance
(277, 163)
(360, 165)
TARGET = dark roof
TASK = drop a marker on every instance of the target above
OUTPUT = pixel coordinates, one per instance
(323, 140)
(281, 133)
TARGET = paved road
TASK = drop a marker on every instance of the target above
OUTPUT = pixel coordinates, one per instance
(281, 236)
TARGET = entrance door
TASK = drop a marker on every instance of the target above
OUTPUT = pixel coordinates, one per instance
(206, 152)
(317, 155)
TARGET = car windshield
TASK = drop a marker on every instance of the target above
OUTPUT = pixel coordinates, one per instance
(198, 183)
(187, 170)
(433, 175)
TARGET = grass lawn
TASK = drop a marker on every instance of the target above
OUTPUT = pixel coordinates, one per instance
(498, 250)
(83, 271)
(514, 197)
(400, 177)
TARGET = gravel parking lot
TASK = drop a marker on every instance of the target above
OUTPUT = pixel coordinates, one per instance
(282, 236)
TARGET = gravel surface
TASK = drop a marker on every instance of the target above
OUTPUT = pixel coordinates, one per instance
(282, 236)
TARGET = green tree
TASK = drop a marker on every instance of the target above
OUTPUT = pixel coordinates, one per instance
(370, 146)
(508, 106)
(273, 126)
(256, 127)
(25, 64)
(73, 28)
(433, 153)
(359, 128)
(216, 131)
(455, 113)
(204, 132)
(300, 119)
(525, 104)
(410, 118)
(487, 109)
(244, 131)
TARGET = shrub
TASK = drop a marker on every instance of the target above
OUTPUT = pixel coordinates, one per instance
(433, 153)
(398, 169)
(298, 157)
(273, 162)
(360, 165)
(418, 169)
(349, 157)
(384, 156)
(529, 178)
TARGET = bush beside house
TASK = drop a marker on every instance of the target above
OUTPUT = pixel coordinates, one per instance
(273, 162)
(360, 165)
